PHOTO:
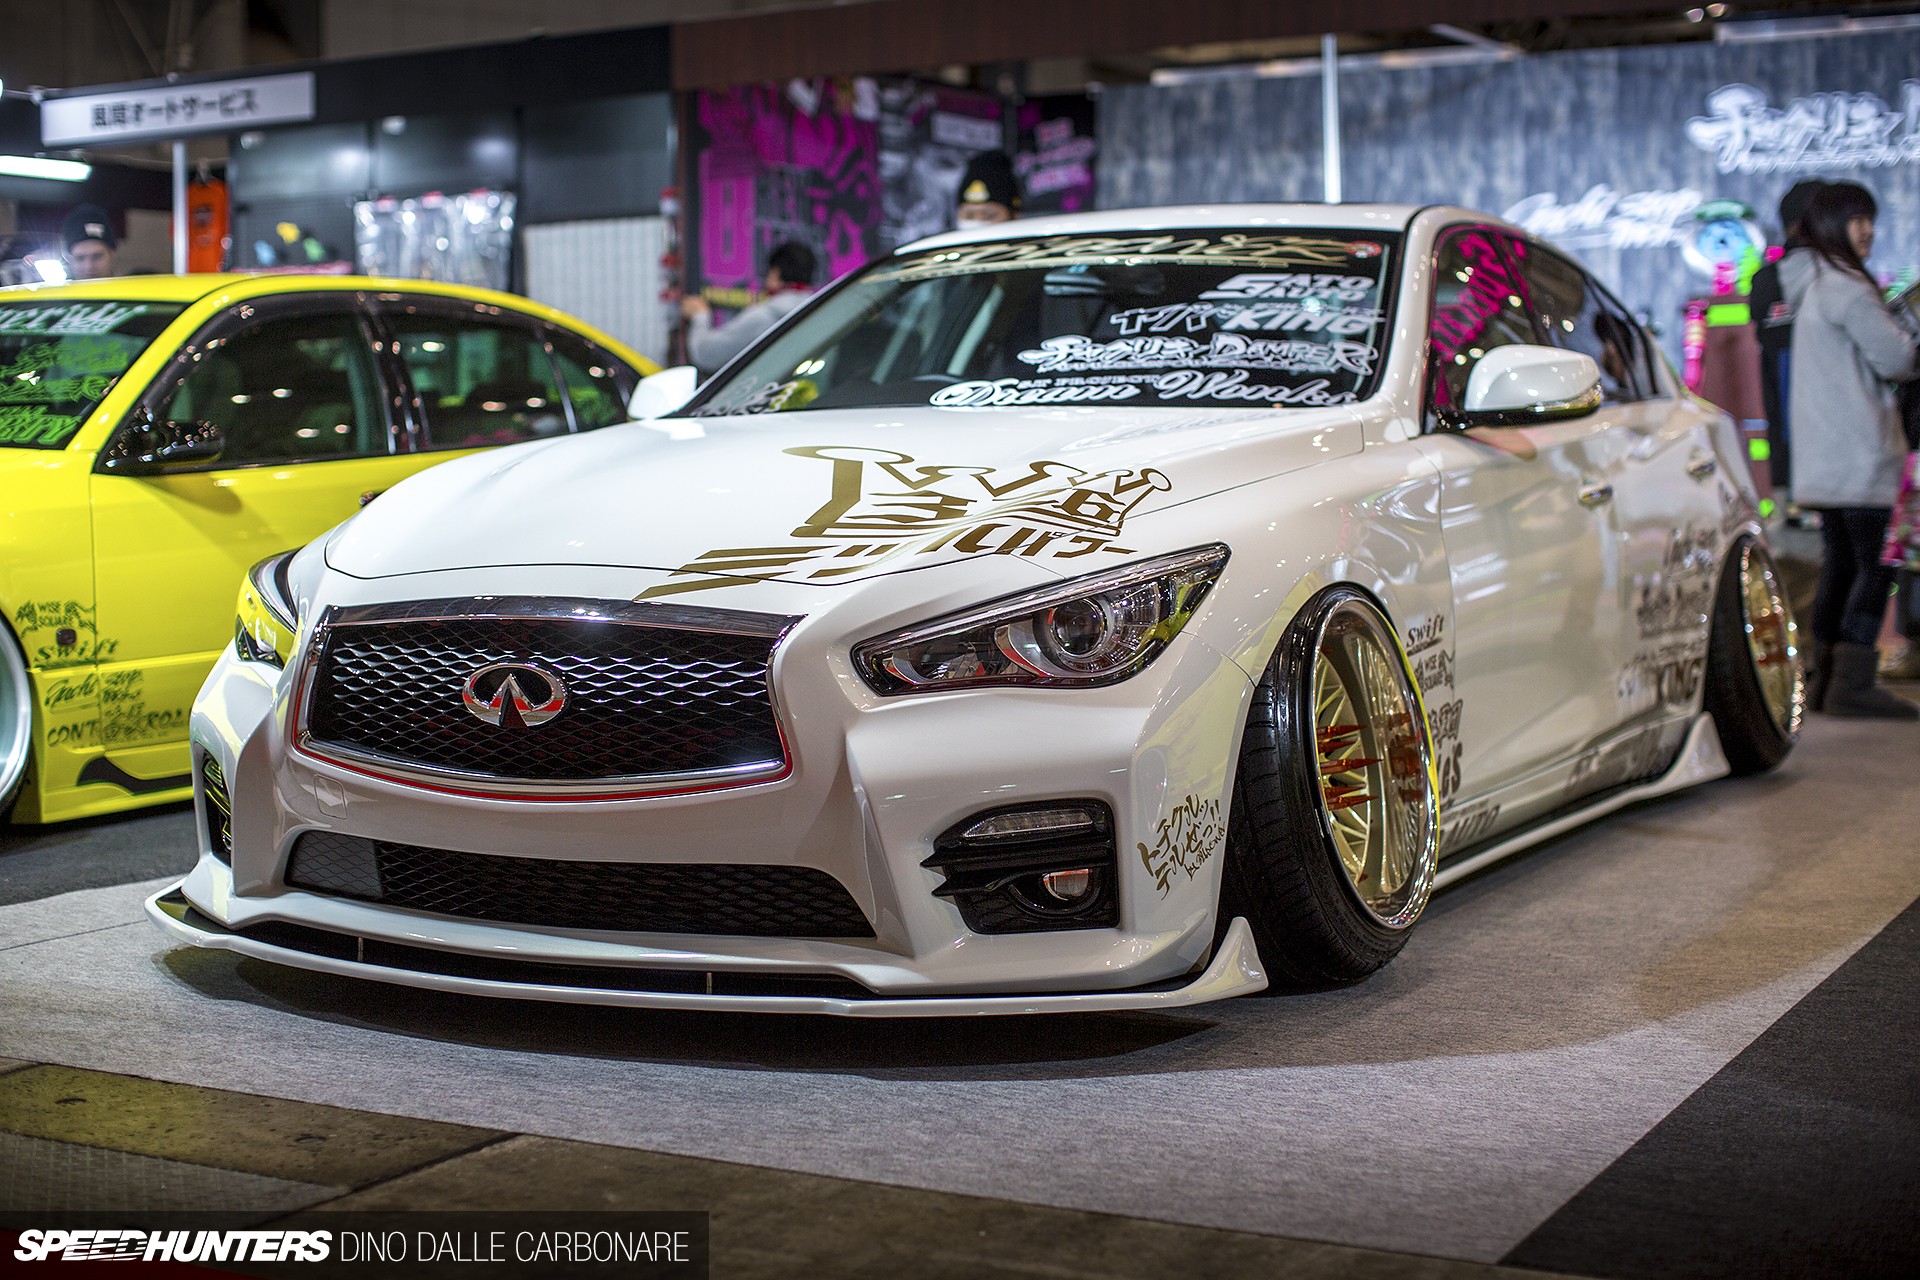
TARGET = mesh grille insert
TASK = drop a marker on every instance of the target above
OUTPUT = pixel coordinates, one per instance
(626, 897)
(641, 701)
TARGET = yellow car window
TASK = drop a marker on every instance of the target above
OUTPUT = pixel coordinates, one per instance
(594, 383)
(292, 389)
(481, 381)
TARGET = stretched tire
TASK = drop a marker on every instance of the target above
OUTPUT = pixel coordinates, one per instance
(16, 718)
(1334, 831)
(1755, 687)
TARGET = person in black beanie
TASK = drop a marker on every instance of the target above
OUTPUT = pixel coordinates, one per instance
(989, 191)
(87, 235)
(1773, 326)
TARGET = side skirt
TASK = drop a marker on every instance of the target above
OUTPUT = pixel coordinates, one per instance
(1701, 760)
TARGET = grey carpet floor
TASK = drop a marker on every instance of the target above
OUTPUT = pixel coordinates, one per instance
(1543, 1019)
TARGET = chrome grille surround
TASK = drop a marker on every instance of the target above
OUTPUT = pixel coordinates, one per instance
(739, 684)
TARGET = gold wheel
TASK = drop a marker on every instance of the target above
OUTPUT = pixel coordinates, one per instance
(1772, 639)
(1378, 795)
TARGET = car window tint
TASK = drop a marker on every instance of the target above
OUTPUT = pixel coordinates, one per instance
(481, 381)
(1578, 316)
(1479, 303)
(286, 389)
(58, 360)
(598, 386)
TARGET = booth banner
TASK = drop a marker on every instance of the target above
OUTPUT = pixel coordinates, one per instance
(771, 163)
(855, 168)
(1057, 148)
(927, 135)
(1661, 167)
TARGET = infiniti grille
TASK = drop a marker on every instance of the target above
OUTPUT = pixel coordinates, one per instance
(643, 701)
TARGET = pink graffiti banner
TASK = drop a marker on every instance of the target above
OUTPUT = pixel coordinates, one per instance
(769, 170)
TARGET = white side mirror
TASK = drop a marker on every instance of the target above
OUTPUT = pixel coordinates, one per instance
(662, 393)
(1515, 385)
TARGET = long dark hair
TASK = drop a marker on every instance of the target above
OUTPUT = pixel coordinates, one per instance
(1825, 224)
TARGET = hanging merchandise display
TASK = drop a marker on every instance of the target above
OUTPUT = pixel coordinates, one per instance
(462, 239)
(209, 225)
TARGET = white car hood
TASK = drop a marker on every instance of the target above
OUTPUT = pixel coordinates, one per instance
(830, 496)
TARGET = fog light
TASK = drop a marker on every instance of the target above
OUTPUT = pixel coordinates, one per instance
(1068, 886)
(1037, 866)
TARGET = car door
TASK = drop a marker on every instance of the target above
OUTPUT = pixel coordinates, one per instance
(1534, 563)
(310, 426)
(1665, 518)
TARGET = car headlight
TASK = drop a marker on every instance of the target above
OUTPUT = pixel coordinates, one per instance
(1095, 630)
(267, 618)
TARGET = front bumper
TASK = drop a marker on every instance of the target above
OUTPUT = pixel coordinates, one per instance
(1235, 970)
(873, 783)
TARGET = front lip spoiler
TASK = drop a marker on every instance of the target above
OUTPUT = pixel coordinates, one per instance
(1235, 970)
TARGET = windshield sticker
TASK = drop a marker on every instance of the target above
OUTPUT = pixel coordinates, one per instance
(47, 388)
(78, 317)
(1231, 249)
(1018, 391)
(1311, 315)
(32, 424)
(1192, 384)
(883, 505)
(1295, 286)
(1074, 354)
(1179, 384)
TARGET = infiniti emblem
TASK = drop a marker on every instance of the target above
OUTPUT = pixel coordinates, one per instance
(514, 695)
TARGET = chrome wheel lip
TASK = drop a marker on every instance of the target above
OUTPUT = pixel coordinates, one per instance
(1398, 909)
(1772, 640)
(16, 715)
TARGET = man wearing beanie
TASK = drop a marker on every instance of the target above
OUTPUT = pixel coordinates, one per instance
(87, 234)
(989, 192)
(1773, 325)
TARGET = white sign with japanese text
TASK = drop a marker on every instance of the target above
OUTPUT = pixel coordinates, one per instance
(176, 110)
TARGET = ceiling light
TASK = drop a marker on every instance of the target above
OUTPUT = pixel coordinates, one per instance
(37, 167)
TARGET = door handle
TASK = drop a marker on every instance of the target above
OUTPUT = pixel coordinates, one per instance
(1595, 495)
(1701, 467)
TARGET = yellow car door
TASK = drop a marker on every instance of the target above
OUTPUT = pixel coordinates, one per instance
(306, 426)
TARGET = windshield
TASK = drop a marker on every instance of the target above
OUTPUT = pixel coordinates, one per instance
(58, 360)
(1244, 318)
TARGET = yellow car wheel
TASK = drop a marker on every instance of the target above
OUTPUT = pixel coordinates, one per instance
(16, 717)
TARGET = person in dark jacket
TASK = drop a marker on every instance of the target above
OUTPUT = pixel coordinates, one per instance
(1773, 326)
(1847, 354)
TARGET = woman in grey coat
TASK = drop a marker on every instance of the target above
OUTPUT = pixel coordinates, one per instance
(1849, 448)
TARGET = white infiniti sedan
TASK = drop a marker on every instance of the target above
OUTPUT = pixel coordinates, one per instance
(1124, 610)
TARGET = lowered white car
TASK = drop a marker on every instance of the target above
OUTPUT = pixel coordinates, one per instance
(1116, 611)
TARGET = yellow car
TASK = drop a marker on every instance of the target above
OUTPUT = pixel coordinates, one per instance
(161, 434)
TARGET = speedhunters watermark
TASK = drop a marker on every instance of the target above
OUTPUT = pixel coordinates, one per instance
(370, 1245)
